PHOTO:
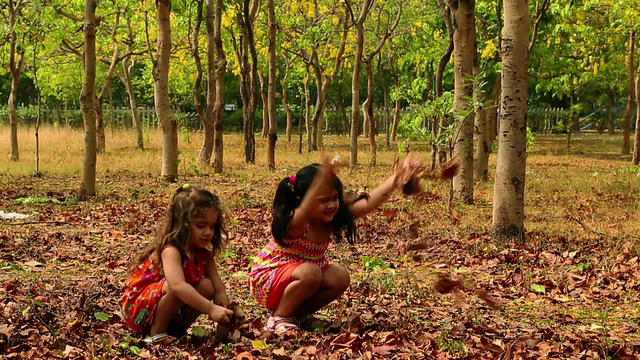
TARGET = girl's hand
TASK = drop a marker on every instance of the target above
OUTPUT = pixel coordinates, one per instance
(220, 314)
(327, 171)
(403, 172)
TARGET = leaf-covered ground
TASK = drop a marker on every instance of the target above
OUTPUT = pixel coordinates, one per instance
(570, 293)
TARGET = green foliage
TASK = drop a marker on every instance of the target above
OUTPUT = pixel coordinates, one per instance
(374, 264)
(35, 200)
(101, 316)
(530, 140)
(412, 124)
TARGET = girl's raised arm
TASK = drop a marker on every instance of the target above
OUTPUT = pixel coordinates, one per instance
(321, 185)
(381, 194)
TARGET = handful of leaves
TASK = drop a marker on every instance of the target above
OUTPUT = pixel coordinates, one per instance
(445, 284)
(229, 330)
(411, 185)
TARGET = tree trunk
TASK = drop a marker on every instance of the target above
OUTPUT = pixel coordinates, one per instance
(464, 39)
(285, 100)
(508, 191)
(271, 97)
(322, 84)
(167, 121)
(126, 69)
(440, 150)
(636, 141)
(15, 67)
(320, 100)
(218, 105)
(248, 77)
(480, 159)
(610, 120)
(307, 113)
(13, 111)
(100, 136)
(367, 107)
(355, 84)
(205, 113)
(385, 104)
(265, 105)
(127, 65)
(626, 125)
(396, 111)
(572, 120)
(87, 101)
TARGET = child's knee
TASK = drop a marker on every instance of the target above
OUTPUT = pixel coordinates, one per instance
(337, 278)
(343, 279)
(309, 273)
(205, 288)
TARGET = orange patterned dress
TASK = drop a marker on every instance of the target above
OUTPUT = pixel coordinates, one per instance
(144, 289)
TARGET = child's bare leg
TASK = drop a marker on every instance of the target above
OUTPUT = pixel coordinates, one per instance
(167, 307)
(305, 280)
(189, 315)
(335, 280)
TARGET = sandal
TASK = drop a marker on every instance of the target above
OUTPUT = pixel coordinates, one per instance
(310, 322)
(282, 323)
(161, 338)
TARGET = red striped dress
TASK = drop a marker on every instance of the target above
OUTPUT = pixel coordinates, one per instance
(264, 269)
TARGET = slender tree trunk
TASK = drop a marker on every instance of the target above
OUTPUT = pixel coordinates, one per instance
(323, 82)
(441, 150)
(218, 104)
(573, 120)
(483, 148)
(37, 172)
(636, 141)
(285, 100)
(610, 120)
(464, 39)
(100, 136)
(126, 70)
(15, 68)
(87, 101)
(205, 113)
(355, 84)
(273, 121)
(13, 111)
(508, 192)
(396, 111)
(160, 72)
(385, 104)
(265, 105)
(367, 106)
(307, 113)
(249, 77)
(626, 125)
(320, 101)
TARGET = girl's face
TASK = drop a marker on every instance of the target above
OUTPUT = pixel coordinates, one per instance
(202, 228)
(328, 206)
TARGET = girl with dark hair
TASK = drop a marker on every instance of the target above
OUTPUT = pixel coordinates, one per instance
(176, 279)
(291, 276)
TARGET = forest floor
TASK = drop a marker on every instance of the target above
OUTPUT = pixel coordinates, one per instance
(570, 292)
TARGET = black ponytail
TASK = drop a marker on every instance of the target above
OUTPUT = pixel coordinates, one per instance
(288, 196)
(284, 203)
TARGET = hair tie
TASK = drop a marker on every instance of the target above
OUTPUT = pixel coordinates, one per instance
(186, 187)
(292, 179)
